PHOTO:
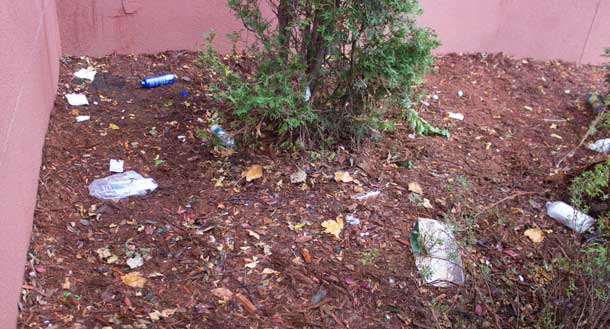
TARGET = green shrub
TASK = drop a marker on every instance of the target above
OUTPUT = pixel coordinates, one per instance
(359, 60)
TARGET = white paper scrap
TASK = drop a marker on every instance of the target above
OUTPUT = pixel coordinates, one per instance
(116, 165)
(77, 99)
(87, 74)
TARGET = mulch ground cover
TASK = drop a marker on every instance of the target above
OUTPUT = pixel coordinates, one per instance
(220, 251)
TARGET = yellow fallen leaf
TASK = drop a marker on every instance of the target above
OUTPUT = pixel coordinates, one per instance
(223, 293)
(226, 152)
(333, 227)
(534, 234)
(255, 172)
(75, 112)
(269, 271)
(415, 188)
(343, 177)
(134, 279)
(113, 126)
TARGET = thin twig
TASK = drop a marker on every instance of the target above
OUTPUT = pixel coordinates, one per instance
(590, 131)
(508, 198)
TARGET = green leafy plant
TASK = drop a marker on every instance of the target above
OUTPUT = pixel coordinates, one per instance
(327, 70)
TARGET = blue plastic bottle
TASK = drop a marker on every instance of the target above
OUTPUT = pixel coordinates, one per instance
(158, 80)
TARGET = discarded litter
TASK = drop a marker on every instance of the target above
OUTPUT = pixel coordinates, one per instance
(184, 93)
(352, 220)
(437, 256)
(120, 186)
(77, 99)
(222, 135)
(82, 118)
(86, 74)
(366, 195)
(568, 216)
(457, 116)
(435, 97)
(116, 165)
(601, 145)
(307, 94)
(158, 80)
(298, 177)
(460, 93)
(595, 102)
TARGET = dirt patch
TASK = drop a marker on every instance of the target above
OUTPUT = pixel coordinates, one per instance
(206, 228)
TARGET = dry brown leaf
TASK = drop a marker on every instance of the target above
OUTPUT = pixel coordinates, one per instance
(306, 255)
(223, 293)
(415, 188)
(534, 234)
(255, 172)
(343, 177)
(248, 306)
(134, 279)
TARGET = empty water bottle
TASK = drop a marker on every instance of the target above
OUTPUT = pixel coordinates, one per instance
(222, 135)
(568, 216)
(158, 80)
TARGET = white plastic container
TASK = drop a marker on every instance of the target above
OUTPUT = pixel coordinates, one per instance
(568, 216)
(601, 146)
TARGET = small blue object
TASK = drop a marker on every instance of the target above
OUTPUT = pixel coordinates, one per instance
(158, 80)
(184, 93)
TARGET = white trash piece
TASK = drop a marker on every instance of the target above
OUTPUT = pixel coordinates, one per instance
(366, 195)
(86, 74)
(116, 165)
(568, 216)
(456, 116)
(121, 186)
(82, 118)
(601, 146)
(77, 99)
(437, 255)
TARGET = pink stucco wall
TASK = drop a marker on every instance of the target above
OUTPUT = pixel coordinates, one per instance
(572, 30)
(29, 63)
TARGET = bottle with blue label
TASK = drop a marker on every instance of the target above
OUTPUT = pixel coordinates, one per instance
(222, 135)
(158, 80)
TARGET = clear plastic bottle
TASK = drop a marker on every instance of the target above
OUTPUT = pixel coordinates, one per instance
(226, 139)
(568, 216)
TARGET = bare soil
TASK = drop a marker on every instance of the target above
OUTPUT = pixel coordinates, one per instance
(206, 227)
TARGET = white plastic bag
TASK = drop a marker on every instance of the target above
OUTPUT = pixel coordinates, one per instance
(601, 146)
(437, 255)
(568, 216)
(121, 186)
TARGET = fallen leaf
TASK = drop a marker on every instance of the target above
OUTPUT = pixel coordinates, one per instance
(134, 280)
(306, 255)
(155, 316)
(415, 188)
(343, 177)
(114, 126)
(333, 227)
(223, 293)
(556, 136)
(255, 172)
(248, 306)
(103, 252)
(135, 262)
(254, 234)
(252, 264)
(534, 234)
(426, 203)
(269, 271)
(75, 112)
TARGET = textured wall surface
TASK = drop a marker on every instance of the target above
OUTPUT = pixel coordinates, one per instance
(29, 61)
(572, 30)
